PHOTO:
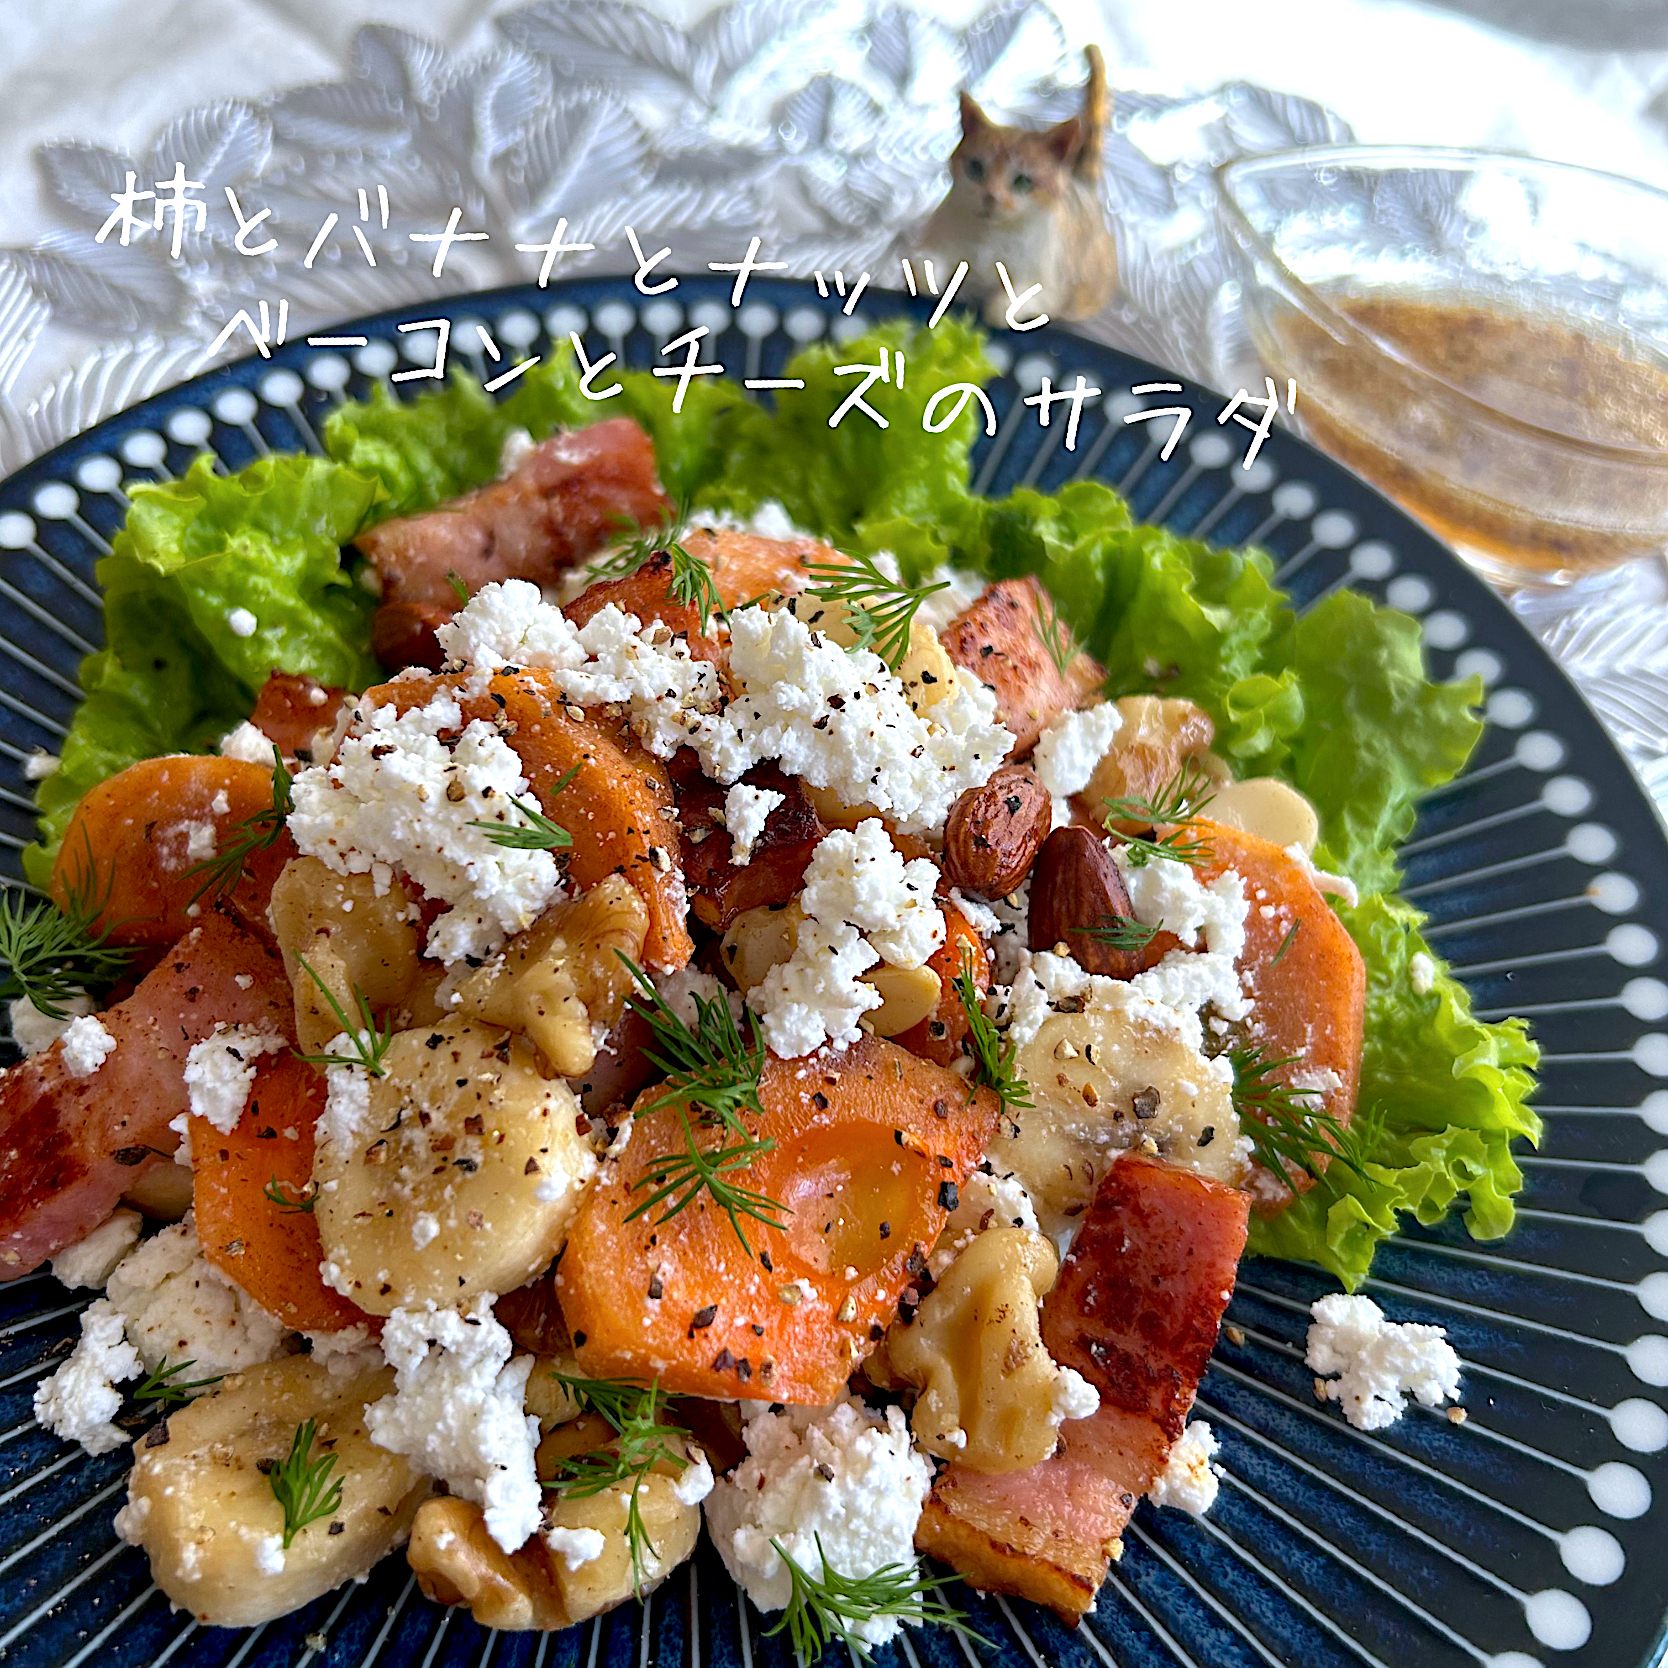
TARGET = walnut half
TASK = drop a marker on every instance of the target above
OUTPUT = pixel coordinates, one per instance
(562, 982)
(976, 1353)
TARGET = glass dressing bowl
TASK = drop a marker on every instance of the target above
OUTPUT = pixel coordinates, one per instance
(1484, 337)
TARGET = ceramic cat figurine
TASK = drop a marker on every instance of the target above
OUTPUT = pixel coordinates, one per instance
(1030, 201)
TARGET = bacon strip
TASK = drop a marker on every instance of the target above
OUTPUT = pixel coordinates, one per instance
(70, 1146)
(1003, 641)
(1136, 1311)
(570, 495)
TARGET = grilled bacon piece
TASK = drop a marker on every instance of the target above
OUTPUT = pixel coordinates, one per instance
(1003, 641)
(720, 890)
(569, 496)
(1136, 1310)
(292, 708)
(70, 1146)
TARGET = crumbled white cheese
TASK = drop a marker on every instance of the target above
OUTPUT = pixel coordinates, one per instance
(269, 1549)
(456, 1410)
(696, 1480)
(1380, 1362)
(90, 1260)
(613, 658)
(425, 1226)
(1207, 916)
(1013, 933)
(678, 991)
(578, 1547)
(979, 916)
(201, 841)
(840, 720)
(1069, 750)
(858, 875)
(220, 1071)
(86, 1044)
(347, 1099)
(35, 1032)
(1071, 1397)
(347, 1353)
(841, 1474)
(1188, 1480)
(177, 1306)
(746, 811)
(40, 765)
(863, 904)
(79, 1400)
(129, 1522)
(1421, 973)
(397, 795)
(818, 993)
(241, 622)
(246, 742)
(984, 1200)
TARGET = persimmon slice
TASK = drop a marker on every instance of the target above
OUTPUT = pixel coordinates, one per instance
(271, 1251)
(871, 1144)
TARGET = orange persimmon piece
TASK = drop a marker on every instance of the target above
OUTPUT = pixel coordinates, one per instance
(647, 594)
(1301, 969)
(940, 1035)
(135, 839)
(1304, 975)
(273, 1253)
(617, 807)
(747, 565)
(871, 1144)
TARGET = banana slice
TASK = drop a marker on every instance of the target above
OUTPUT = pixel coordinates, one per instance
(459, 1175)
(202, 1507)
(352, 939)
(1103, 1081)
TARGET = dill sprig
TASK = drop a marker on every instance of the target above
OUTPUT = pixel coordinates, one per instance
(1055, 635)
(828, 1607)
(1121, 932)
(879, 609)
(538, 833)
(302, 1485)
(370, 1041)
(1289, 1128)
(712, 1071)
(259, 832)
(1285, 943)
(993, 1054)
(165, 1388)
(1172, 808)
(641, 1442)
(53, 955)
(306, 1200)
(691, 580)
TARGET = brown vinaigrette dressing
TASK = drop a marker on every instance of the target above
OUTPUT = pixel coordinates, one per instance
(1434, 456)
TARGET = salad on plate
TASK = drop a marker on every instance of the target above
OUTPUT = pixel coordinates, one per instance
(605, 970)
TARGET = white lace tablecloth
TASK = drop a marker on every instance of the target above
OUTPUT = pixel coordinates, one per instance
(821, 126)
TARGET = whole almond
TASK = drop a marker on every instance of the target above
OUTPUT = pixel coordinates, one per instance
(993, 833)
(1076, 889)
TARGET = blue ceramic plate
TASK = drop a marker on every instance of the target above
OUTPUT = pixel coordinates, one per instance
(1531, 1533)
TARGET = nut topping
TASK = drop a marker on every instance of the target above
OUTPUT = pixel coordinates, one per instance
(993, 833)
(1076, 889)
